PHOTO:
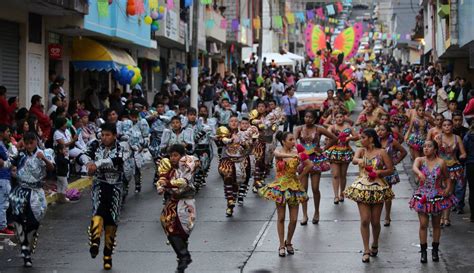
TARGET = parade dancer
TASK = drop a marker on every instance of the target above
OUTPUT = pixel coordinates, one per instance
(309, 136)
(179, 213)
(177, 135)
(27, 200)
(124, 129)
(260, 149)
(139, 140)
(275, 118)
(106, 162)
(417, 132)
(287, 189)
(370, 190)
(160, 123)
(5, 177)
(450, 145)
(223, 112)
(234, 166)
(433, 196)
(397, 153)
(340, 155)
(201, 134)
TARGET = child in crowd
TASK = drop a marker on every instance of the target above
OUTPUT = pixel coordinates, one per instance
(5, 176)
(62, 172)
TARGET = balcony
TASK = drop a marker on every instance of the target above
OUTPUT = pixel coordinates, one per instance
(80, 6)
(216, 33)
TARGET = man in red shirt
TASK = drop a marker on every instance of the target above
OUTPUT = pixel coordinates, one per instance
(43, 120)
(6, 110)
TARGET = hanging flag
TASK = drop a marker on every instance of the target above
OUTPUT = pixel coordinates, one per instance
(277, 22)
(320, 12)
(224, 24)
(339, 6)
(384, 36)
(310, 14)
(206, 2)
(290, 18)
(210, 23)
(246, 22)
(170, 4)
(326, 29)
(153, 4)
(371, 34)
(103, 8)
(256, 23)
(301, 17)
(235, 24)
(187, 3)
(407, 36)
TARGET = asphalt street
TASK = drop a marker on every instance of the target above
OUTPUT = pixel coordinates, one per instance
(248, 241)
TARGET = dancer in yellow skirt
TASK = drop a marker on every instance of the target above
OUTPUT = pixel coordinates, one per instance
(287, 189)
(370, 190)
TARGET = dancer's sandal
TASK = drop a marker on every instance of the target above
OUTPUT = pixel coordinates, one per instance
(366, 257)
(305, 222)
(387, 222)
(289, 248)
(282, 251)
(315, 220)
(374, 250)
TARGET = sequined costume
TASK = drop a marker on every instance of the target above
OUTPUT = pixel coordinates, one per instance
(139, 139)
(393, 178)
(311, 145)
(27, 200)
(429, 197)
(179, 212)
(234, 165)
(184, 137)
(287, 189)
(370, 190)
(124, 129)
(275, 118)
(157, 129)
(340, 152)
(203, 150)
(449, 155)
(418, 135)
(107, 190)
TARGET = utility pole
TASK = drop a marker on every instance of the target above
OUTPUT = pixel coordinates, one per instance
(260, 40)
(194, 56)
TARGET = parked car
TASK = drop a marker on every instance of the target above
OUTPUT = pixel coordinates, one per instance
(311, 93)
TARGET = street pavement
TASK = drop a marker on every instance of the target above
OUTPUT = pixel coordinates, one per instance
(248, 241)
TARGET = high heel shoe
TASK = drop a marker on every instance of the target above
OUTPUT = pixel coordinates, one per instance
(305, 222)
(447, 222)
(289, 248)
(341, 198)
(336, 200)
(315, 220)
(374, 250)
(366, 257)
(387, 222)
(281, 251)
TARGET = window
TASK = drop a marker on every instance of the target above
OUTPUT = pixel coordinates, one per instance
(35, 26)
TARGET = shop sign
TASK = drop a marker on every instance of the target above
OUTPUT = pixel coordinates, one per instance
(55, 51)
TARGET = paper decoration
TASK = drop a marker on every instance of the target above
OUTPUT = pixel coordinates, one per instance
(320, 12)
(310, 14)
(290, 18)
(398, 36)
(330, 9)
(326, 29)
(103, 8)
(223, 24)
(210, 23)
(153, 4)
(277, 22)
(235, 24)
(371, 34)
(407, 36)
(384, 36)
(339, 6)
(169, 4)
(246, 22)
(300, 16)
(257, 23)
(206, 2)
(188, 3)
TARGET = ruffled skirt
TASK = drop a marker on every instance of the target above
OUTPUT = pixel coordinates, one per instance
(320, 163)
(367, 192)
(285, 190)
(431, 201)
(339, 154)
(416, 141)
(456, 173)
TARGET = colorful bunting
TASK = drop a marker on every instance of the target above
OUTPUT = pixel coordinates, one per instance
(235, 25)
(290, 18)
(206, 2)
(103, 8)
(246, 22)
(170, 4)
(210, 23)
(310, 14)
(277, 22)
(320, 12)
(153, 4)
(188, 3)
(223, 24)
(257, 23)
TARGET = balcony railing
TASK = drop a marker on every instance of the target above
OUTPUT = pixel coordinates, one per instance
(80, 6)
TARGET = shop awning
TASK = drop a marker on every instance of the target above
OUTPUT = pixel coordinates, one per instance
(88, 54)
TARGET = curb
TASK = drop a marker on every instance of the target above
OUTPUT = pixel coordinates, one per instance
(80, 185)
